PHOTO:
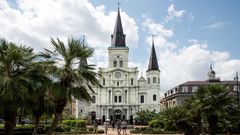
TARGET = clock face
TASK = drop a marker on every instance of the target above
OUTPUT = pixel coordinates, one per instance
(117, 74)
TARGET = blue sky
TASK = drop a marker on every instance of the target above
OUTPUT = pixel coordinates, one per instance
(189, 35)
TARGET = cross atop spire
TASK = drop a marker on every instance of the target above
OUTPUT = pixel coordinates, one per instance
(118, 37)
(153, 39)
(118, 3)
(153, 63)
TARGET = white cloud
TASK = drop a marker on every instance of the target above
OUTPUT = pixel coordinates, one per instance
(160, 32)
(173, 13)
(216, 25)
(191, 62)
(33, 22)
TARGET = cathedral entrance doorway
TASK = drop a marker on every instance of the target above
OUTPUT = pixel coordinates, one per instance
(93, 115)
(117, 114)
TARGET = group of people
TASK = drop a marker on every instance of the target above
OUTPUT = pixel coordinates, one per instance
(120, 125)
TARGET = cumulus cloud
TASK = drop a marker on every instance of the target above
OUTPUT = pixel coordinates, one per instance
(173, 13)
(33, 22)
(190, 62)
(160, 32)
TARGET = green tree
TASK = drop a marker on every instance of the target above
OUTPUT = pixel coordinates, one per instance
(72, 77)
(145, 116)
(15, 89)
(214, 102)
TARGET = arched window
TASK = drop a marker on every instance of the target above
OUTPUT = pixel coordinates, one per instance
(93, 99)
(121, 63)
(142, 99)
(131, 81)
(114, 63)
(154, 97)
(103, 82)
(154, 79)
(115, 99)
(120, 99)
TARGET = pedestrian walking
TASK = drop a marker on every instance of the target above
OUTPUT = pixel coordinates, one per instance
(106, 126)
(95, 126)
(119, 127)
(124, 126)
(113, 124)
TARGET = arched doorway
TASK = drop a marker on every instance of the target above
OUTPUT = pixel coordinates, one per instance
(117, 114)
(93, 116)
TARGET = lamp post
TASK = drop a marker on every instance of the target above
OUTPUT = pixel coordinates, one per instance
(236, 78)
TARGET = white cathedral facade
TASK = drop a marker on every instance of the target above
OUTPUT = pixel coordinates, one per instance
(123, 94)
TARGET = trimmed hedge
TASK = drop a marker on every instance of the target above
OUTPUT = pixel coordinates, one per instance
(75, 123)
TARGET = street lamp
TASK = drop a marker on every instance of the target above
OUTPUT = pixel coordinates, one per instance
(236, 78)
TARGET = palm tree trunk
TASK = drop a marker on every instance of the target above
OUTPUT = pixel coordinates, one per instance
(57, 117)
(212, 120)
(60, 105)
(10, 121)
(37, 121)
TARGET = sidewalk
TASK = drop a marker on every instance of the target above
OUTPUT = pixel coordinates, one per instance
(111, 132)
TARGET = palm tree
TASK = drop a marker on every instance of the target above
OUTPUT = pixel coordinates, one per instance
(15, 63)
(42, 84)
(214, 101)
(72, 79)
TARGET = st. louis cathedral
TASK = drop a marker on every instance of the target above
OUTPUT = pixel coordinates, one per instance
(123, 94)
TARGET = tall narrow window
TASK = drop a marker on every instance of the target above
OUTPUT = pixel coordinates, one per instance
(103, 82)
(184, 89)
(148, 80)
(114, 63)
(121, 63)
(120, 99)
(158, 80)
(125, 96)
(154, 97)
(117, 83)
(110, 78)
(142, 99)
(109, 96)
(115, 99)
(131, 81)
(154, 79)
(93, 99)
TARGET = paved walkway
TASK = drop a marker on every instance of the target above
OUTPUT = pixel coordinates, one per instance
(114, 132)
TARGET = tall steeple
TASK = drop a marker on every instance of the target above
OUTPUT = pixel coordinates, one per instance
(118, 37)
(83, 61)
(153, 63)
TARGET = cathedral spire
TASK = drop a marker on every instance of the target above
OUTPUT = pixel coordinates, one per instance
(83, 61)
(118, 37)
(153, 63)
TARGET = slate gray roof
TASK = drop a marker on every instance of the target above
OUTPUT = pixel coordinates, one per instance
(153, 63)
(118, 37)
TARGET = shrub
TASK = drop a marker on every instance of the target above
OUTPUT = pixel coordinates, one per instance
(156, 124)
(100, 131)
(75, 123)
(90, 129)
(81, 123)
